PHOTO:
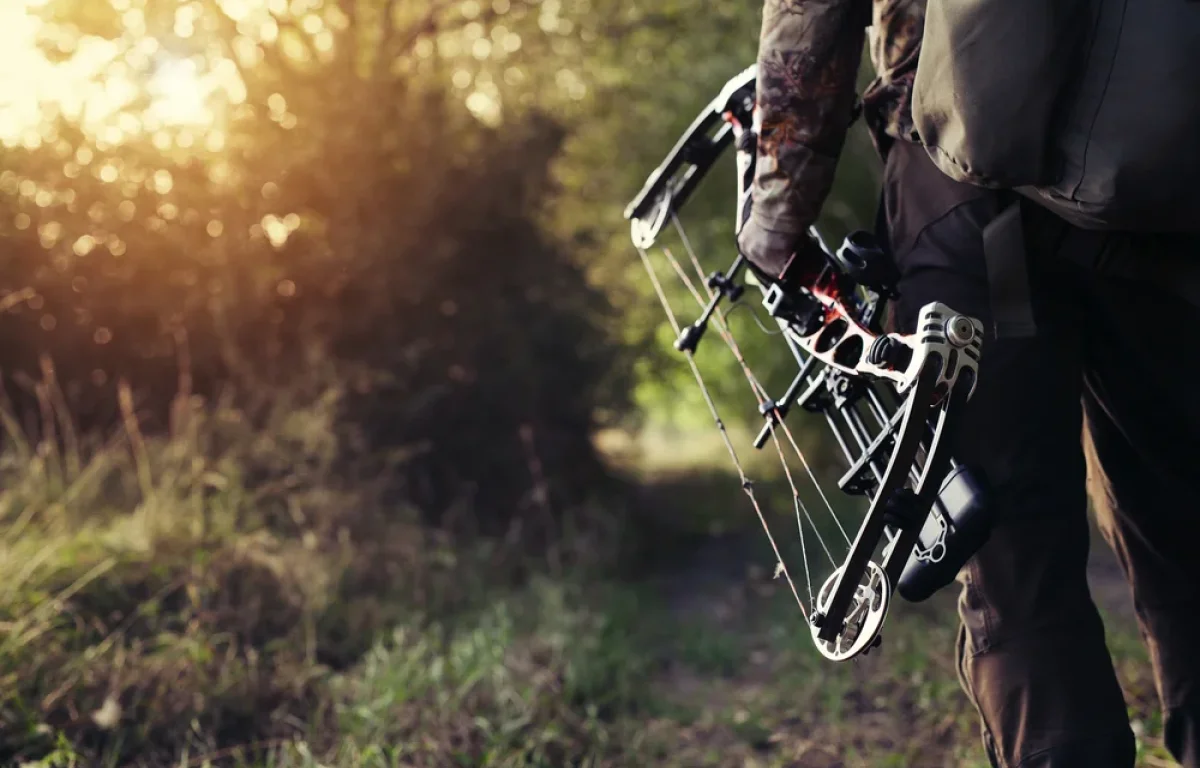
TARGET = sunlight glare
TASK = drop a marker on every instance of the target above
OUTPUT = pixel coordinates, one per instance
(99, 83)
(180, 94)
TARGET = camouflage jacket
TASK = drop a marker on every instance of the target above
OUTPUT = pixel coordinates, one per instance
(808, 60)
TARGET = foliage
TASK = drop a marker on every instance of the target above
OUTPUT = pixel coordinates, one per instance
(332, 194)
(429, 192)
(166, 592)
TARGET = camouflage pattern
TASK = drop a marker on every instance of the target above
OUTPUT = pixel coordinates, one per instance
(809, 54)
(895, 37)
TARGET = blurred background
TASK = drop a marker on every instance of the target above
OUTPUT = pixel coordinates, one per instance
(341, 425)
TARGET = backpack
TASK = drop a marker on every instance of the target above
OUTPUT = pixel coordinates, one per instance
(1089, 107)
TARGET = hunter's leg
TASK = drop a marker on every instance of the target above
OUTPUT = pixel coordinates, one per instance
(1144, 424)
(1032, 656)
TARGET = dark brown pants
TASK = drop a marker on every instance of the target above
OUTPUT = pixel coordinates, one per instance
(1031, 650)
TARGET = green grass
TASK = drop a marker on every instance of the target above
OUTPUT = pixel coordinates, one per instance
(226, 596)
(183, 593)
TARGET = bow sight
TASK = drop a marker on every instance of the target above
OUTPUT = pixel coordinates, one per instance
(890, 400)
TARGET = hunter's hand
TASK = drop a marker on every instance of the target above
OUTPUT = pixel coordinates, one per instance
(784, 258)
(769, 251)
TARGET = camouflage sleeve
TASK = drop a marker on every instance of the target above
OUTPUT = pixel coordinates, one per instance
(808, 59)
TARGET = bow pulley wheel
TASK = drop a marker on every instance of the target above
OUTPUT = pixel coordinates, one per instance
(865, 618)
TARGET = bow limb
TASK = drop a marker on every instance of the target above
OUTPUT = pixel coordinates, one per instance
(831, 621)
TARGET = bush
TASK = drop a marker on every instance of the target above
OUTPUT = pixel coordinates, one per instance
(360, 216)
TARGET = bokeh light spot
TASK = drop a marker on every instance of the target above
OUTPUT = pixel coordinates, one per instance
(163, 182)
(276, 230)
(84, 245)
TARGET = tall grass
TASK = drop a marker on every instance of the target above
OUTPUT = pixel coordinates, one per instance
(246, 587)
(167, 592)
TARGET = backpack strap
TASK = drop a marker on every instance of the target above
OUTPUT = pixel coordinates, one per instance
(1006, 258)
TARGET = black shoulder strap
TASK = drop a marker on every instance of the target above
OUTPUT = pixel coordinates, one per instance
(1006, 256)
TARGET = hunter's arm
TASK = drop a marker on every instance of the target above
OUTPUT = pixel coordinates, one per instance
(808, 59)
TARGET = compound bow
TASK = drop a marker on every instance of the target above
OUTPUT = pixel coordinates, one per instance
(926, 514)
